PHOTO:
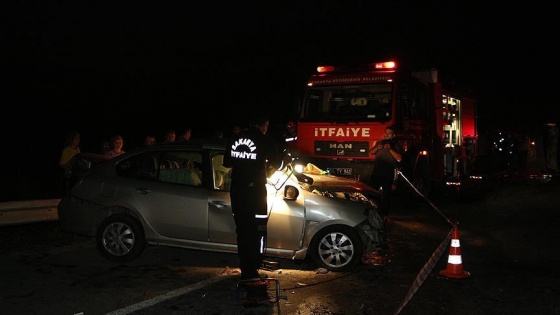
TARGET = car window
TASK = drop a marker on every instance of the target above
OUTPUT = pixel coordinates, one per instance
(141, 166)
(179, 167)
(222, 174)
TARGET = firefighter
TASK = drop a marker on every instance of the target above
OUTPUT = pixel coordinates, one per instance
(251, 154)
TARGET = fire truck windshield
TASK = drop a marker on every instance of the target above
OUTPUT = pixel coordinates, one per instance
(348, 103)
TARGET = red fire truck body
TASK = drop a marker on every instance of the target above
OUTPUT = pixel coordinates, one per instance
(346, 109)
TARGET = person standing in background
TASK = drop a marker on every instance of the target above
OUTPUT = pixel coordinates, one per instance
(71, 148)
(218, 134)
(150, 139)
(235, 130)
(185, 136)
(388, 153)
(117, 143)
(169, 136)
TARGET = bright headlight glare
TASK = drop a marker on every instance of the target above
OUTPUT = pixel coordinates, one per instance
(298, 168)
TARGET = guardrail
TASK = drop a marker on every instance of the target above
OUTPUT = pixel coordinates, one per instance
(28, 211)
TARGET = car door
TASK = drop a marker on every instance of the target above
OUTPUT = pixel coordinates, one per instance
(286, 220)
(168, 194)
(285, 223)
(221, 226)
(286, 217)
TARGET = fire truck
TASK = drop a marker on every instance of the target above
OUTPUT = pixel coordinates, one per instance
(345, 110)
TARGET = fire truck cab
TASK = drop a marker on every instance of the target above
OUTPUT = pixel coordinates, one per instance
(345, 110)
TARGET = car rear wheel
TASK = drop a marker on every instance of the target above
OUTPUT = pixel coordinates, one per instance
(336, 248)
(120, 239)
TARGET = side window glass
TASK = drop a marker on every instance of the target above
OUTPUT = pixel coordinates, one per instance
(221, 174)
(181, 167)
(141, 166)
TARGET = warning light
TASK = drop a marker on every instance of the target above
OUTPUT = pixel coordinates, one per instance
(323, 69)
(385, 65)
(376, 66)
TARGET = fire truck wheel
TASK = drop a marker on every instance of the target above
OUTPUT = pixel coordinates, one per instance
(336, 248)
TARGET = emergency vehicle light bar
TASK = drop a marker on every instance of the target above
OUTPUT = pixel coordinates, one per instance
(323, 69)
(386, 65)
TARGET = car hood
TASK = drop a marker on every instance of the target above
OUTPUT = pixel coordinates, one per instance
(339, 184)
(342, 188)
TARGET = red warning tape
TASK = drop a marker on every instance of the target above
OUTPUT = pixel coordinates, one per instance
(425, 271)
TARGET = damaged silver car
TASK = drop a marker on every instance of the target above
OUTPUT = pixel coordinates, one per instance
(178, 195)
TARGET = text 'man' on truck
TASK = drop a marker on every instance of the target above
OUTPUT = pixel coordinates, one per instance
(346, 109)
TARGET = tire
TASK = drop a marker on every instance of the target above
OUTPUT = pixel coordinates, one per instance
(336, 248)
(120, 239)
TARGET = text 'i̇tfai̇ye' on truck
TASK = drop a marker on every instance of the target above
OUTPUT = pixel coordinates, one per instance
(345, 110)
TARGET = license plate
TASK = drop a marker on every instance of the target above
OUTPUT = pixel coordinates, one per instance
(342, 171)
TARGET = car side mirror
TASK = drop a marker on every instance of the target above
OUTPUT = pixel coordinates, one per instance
(290, 192)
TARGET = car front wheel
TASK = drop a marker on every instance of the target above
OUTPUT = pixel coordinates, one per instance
(336, 248)
(120, 239)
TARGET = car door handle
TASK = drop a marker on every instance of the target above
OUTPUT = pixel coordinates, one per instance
(220, 204)
(144, 191)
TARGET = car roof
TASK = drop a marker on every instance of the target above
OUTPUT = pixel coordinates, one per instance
(194, 144)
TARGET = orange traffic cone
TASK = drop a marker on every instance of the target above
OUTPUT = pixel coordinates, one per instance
(454, 262)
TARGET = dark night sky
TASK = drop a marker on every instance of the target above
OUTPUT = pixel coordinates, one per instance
(133, 68)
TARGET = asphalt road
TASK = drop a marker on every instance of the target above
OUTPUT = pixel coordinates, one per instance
(507, 243)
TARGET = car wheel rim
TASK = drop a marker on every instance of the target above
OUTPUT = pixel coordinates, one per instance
(336, 250)
(118, 239)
